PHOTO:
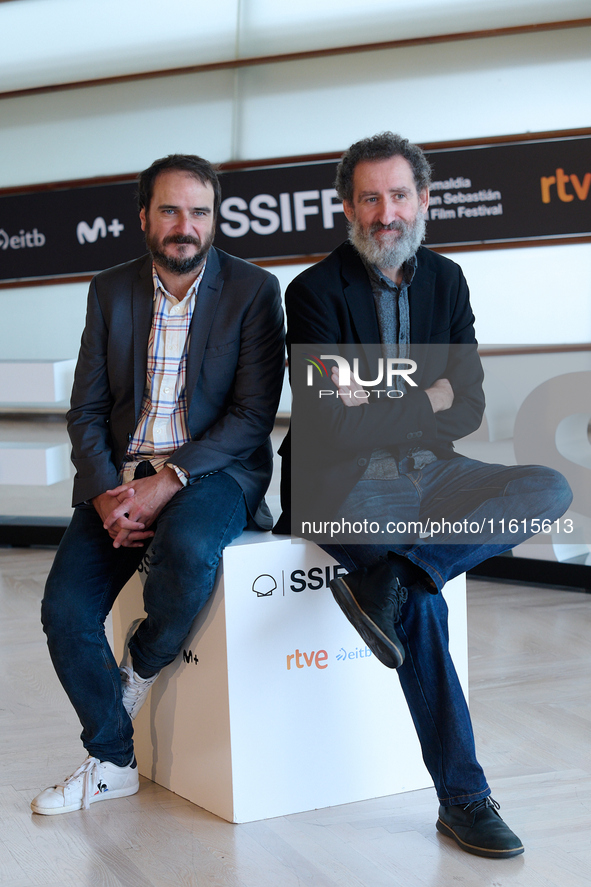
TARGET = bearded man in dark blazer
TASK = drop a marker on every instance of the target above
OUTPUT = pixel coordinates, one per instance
(385, 456)
(175, 393)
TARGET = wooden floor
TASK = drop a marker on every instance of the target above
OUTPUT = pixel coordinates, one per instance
(530, 656)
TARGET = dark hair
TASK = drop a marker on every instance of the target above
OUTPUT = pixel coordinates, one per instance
(381, 147)
(196, 166)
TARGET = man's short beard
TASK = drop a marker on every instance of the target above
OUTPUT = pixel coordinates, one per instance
(386, 255)
(171, 263)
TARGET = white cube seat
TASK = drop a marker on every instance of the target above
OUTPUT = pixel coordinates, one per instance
(275, 705)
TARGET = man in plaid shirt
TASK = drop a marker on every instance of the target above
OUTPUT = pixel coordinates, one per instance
(176, 389)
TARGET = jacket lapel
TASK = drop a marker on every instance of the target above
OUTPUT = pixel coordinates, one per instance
(208, 296)
(142, 299)
(359, 298)
(421, 296)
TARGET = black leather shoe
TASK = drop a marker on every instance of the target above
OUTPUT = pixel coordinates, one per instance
(478, 828)
(371, 599)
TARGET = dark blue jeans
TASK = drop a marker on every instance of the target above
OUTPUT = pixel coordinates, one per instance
(88, 574)
(456, 489)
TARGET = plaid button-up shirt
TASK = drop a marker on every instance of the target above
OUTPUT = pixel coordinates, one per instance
(162, 426)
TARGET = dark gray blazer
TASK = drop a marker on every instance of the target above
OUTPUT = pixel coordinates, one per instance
(234, 375)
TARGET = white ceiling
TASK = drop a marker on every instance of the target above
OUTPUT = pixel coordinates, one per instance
(47, 42)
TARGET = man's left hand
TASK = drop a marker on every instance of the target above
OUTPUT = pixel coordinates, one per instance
(150, 495)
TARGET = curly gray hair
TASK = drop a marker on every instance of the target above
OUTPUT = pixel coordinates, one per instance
(381, 147)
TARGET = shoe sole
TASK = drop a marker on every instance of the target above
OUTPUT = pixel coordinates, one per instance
(477, 851)
(101, 796)
(389, 654)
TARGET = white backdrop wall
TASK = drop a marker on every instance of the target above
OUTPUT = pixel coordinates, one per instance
(474, 88)
(57, 41)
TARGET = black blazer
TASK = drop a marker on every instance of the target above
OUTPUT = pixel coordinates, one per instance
(332, 303)
(234, 375)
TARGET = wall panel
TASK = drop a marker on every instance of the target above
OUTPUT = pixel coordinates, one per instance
(114, 129)
(430, 93)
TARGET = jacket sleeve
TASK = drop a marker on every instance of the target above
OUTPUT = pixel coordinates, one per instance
(90, 409)
(463, 369)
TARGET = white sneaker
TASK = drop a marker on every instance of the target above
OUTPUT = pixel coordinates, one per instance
(135, 689)
(94, 781)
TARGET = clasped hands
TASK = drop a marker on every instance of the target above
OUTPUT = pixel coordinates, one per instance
(130, 509)
(440, 394)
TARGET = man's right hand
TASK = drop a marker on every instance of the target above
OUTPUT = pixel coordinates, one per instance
(133, 534)
(441, 395)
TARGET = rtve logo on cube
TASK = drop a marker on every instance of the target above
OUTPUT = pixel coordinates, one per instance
(319, 658)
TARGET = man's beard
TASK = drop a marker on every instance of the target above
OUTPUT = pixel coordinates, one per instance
(388, 255)
(171, 263)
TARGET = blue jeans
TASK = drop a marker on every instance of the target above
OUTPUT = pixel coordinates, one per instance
(88, 574)
(458, 488)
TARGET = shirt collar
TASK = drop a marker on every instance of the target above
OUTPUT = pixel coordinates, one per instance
(408, 272)
(158, 285)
